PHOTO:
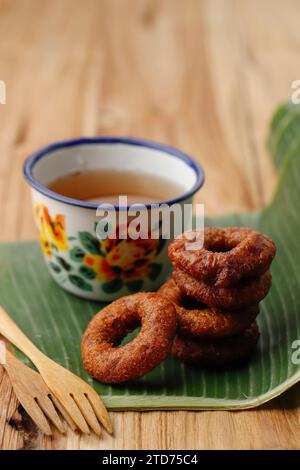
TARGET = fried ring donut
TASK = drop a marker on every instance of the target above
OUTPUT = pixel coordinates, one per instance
(216, 353)
(105, 361)
(244, 294)
(228, 255)
(197, 319)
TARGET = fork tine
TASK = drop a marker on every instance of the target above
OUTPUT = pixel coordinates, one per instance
(49, 410)
(24, 382)
(63, 412)
(34, 411)
(99, 409)
(35, 387)
(74, 411)
(88, 412)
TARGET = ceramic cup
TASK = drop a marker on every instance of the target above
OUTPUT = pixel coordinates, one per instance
(77, 259)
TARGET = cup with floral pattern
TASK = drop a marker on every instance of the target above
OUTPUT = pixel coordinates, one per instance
(78, 260)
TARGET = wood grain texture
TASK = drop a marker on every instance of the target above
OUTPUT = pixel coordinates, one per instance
(201, 75)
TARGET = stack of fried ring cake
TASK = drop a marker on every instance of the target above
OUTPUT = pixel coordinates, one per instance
(216, 291)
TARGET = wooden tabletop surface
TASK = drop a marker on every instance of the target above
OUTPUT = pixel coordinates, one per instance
(201, 75)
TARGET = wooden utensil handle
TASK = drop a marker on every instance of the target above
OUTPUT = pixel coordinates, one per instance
(9, 358)
(12, 332)
(11, 363)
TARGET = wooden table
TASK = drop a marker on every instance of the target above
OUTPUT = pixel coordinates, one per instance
(201, 75)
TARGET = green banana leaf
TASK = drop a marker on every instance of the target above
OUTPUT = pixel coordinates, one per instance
(55, 320)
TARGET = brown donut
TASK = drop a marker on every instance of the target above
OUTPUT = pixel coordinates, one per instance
(216, 353)
(197, 319)
(246, 293)
(228, 255)
(105, 361)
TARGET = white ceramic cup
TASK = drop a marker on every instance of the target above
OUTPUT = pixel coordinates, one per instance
(77, 260)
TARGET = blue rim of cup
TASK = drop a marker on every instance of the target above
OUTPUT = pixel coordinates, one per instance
(36, 156)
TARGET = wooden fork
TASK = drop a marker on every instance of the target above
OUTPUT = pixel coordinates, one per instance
(80, 401)
(34, 395)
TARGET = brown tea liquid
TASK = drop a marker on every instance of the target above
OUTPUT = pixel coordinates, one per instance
(106, 186)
